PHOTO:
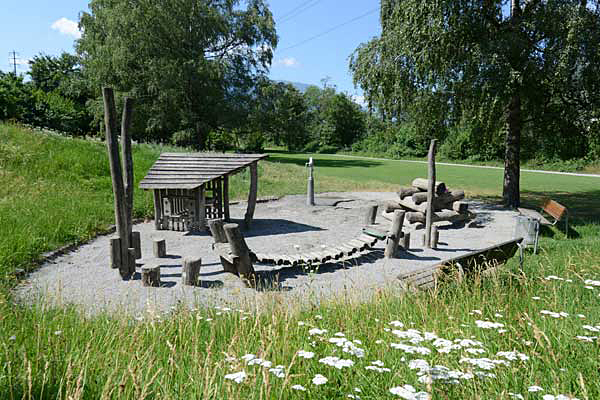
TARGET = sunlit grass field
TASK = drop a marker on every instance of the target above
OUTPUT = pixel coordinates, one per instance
(496, 337)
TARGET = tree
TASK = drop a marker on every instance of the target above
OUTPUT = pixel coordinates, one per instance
(532, 57)
(50, 73)
(192, 63)
(335, 120)
(280, 113)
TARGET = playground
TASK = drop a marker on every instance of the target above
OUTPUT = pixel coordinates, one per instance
(284, 226)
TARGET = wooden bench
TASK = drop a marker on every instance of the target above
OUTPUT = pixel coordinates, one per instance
(428, 277)
(552, 208)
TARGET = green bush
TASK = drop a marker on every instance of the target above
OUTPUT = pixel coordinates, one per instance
(220, 140)
(253, 142)
(184, 138)
(52, 110)
(327, 149)
(311, 147)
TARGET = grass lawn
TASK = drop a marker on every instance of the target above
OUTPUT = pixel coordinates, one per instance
(486, 338)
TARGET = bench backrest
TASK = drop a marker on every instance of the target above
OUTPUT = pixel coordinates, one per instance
(554, 209)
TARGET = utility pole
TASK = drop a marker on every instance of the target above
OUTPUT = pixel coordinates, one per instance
(13, 58)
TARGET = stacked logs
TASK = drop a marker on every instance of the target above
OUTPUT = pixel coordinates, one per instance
(447, 204)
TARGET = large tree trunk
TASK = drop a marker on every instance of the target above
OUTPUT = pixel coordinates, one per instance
(512, 164)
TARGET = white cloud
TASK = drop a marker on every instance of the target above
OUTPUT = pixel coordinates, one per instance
(288, 62)
(67, 27)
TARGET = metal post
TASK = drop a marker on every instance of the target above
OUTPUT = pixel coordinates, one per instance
(310, 195)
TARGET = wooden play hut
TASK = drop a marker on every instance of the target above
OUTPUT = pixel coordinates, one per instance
(190, 188)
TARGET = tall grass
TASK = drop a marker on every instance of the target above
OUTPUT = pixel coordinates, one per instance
(58, 353)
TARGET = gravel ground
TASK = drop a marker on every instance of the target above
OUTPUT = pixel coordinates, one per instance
(83, 277)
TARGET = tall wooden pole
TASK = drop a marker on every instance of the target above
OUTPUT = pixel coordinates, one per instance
(430, 192)
(127, 159)
(252, 194)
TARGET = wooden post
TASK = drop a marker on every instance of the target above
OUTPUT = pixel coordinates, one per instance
(226, 197)
(394, 235)
(371, 214)
(405, 242)
(127, 159)
(115, 253)
(435, 237)
(217, 231)
(252, 195)
(151, 275)
(191, 269)
(110, 123)
(239, 250)
(159, 248)
(201, 207)
(430, 192)
(131, 257)
(157, 209)
(136, 242)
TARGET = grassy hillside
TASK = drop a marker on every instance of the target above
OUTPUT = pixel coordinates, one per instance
(535, 326)
(55, 190)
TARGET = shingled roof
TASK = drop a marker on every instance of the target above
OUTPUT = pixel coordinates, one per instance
(191, 170)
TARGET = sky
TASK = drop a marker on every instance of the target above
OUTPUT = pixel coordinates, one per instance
(316, 37)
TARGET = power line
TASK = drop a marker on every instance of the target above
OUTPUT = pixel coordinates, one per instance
(331, 29)
(299, 10)
(14, 60)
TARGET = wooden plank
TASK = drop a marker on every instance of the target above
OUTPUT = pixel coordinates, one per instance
(163, 185)
(174, 179)
(534, 214)
(368, 240)
(189, 172)
(489, 256)
(214, 155)
(360, 245)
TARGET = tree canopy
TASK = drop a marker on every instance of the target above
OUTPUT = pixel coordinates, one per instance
(192, 64)
(533, 65)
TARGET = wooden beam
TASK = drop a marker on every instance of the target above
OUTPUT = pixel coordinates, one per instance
(157, 209)
(127, 159)
(226, 197)
(252, 194)
(431, 187)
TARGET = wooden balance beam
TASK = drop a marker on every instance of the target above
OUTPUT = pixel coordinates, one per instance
(427, 277)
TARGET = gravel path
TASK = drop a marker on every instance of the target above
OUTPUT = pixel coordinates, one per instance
(83, 277)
